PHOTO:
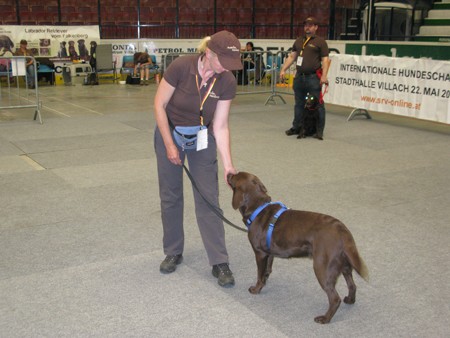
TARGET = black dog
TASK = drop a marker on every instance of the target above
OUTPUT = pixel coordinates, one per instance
(310, 119)
(6, 45)
(72, 52)
(84, 54)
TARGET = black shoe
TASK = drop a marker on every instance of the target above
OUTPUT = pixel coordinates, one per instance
(223, 274)
(169, 264)
(292, 131)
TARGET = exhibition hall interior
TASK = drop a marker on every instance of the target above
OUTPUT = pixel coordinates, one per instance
(84, 177)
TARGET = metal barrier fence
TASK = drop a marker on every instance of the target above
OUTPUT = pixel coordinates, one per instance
(19, 84)
(280, 86)
(167, 59)
(258, 74)
(270, 80)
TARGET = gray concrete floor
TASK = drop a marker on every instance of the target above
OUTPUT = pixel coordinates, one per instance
(80, 229)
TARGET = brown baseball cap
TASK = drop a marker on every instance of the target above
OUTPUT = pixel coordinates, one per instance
(310, 20)
(228, 49)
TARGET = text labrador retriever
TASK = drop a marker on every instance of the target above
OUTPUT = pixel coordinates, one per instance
(275, 231)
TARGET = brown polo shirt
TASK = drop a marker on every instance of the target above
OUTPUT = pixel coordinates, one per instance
(183, 108)
(314, 50)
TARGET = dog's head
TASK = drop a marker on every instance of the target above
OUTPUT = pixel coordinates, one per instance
(248, 192)
(5, 42)
(311, 102)
(44, 42)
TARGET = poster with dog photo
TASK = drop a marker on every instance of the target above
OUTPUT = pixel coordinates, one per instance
(50, 41)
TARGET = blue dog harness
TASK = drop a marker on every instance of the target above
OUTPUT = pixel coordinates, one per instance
(272, 221)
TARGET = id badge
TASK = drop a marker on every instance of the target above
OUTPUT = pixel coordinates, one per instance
(299, 61)
(202, 139)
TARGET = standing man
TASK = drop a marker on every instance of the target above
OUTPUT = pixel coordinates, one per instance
(311, 56)
(23, 51)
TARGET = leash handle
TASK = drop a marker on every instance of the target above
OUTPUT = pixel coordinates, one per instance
(217, 211)
(323, 92)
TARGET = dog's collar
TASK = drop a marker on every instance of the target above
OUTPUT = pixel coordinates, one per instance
(272, 221)
(261, 208)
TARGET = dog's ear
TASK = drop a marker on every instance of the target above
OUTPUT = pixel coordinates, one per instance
(238, 199)
(259, 185)
(8, 43)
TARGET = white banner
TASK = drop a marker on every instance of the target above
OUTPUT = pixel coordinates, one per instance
(50, 41)
(417, 88)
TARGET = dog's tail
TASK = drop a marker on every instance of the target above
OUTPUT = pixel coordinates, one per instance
(352, 254)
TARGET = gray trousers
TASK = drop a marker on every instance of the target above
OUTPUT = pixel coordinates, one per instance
(204, 169)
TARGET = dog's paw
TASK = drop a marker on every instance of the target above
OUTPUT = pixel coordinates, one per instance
(349, 300)
(254, 290)
(319, 137)
(301, 136)
(321, 320)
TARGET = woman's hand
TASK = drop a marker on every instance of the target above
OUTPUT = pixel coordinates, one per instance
(173, 155)
(229, 171)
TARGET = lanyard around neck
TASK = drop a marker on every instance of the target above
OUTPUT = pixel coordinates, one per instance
(202, 101)
(304, 45)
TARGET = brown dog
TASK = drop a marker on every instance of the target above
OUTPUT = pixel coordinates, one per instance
(297, 234)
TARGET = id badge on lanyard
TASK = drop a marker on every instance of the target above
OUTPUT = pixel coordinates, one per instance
(202, 139)
(300, 57)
